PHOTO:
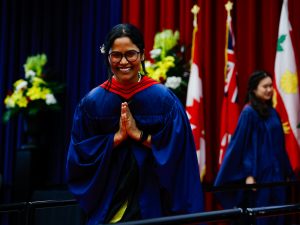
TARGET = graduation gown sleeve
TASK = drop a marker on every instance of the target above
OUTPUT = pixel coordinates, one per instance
(91, 161)
(238, 161)
(176, 161)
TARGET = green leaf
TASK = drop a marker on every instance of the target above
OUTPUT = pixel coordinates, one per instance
(184, 83)
(33, 111)
(6, 116)
(280, 40)
(36, 63)
(54, 107)
(56, 87)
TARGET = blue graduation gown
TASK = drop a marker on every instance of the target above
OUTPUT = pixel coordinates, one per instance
(93, 166)
(256, 149)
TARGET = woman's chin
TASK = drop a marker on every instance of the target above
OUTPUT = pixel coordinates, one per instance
(126, 77)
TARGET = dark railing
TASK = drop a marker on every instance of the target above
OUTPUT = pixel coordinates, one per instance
(273, 210)
(213, 216)
(26, 210)
(238, 214)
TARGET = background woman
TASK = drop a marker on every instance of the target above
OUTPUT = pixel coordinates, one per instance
(256, 153)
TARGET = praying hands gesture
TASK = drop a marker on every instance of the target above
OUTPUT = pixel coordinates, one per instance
(128, 128)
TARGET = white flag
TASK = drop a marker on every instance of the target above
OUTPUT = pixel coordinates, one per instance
(287, 88)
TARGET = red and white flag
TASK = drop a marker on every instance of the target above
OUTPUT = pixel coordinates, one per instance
(230, 109)
(194, 102)
(286, 95)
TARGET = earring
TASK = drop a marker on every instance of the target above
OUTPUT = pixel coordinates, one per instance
(139, 76)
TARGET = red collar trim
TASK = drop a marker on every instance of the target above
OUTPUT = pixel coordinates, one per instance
(128, 90)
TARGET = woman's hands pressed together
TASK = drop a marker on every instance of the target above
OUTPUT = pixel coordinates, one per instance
(128, 127)
(129, 122)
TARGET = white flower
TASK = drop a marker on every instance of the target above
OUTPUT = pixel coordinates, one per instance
(29, 74)
(154, 53)
(50, 99)
(148, 64)
(173, 82)
(9, 103)
(22, 84)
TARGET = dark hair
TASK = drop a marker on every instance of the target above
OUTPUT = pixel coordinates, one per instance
(261, 107)
(123, 30)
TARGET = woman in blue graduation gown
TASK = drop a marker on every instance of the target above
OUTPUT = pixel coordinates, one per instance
(256, 152)
(131, 154)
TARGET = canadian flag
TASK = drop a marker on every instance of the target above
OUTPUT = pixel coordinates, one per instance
(194, 102)
(230, 108)
(286, 95)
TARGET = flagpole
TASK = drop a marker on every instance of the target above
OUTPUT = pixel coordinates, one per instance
(195, 10)
(230, 107)
(228, 7)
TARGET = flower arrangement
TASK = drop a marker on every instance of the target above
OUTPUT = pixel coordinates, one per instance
(168, 64)
(33, 93)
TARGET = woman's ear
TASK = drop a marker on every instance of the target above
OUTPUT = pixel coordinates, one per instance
(143, 56)
(254, 91)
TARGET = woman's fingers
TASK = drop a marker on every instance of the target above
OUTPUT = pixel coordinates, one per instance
(129, 122)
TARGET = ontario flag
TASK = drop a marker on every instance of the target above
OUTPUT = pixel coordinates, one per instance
(286, 94)
(230, 109)
(194, 102)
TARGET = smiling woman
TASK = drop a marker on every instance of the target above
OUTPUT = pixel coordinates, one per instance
(132, 153)
(125, 60)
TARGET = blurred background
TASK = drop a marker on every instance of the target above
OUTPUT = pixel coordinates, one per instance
(71, 32)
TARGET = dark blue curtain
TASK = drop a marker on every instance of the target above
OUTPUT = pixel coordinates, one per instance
(70, 33)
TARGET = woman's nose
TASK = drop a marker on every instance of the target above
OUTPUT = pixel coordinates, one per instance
(123, 60)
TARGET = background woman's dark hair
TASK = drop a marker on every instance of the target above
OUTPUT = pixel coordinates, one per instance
(123, 30)
(261, 107)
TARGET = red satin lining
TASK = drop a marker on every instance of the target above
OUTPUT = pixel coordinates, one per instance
(128, 90)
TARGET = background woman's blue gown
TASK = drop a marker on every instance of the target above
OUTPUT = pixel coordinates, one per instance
(256, 149)
(168, 172)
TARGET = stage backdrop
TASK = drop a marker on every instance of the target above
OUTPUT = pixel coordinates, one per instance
(71, 32)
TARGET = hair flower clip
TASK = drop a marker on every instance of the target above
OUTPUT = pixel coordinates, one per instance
(102, 49)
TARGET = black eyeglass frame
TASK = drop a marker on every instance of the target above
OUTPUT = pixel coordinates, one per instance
(124, 55)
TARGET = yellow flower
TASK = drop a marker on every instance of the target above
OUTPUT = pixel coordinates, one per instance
(168, 62)
(9, 102)
(159, 75)
(37, 81)
(22, 102)
(19, 98)
(154, 71)
(37, 92)
(158, 71)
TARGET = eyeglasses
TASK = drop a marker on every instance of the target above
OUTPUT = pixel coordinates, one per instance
(130, 56)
